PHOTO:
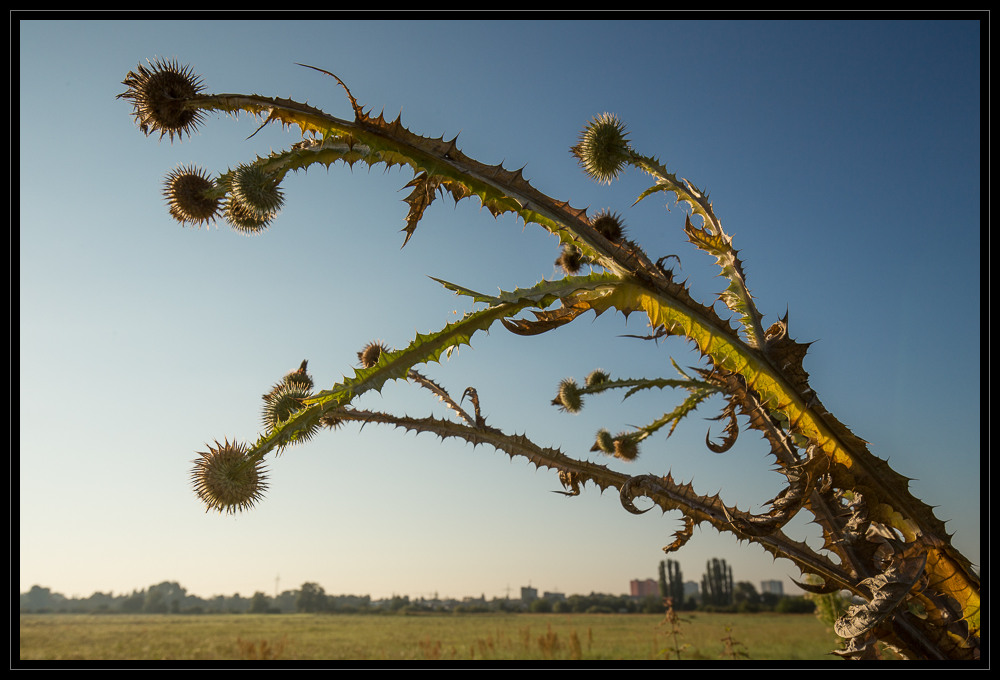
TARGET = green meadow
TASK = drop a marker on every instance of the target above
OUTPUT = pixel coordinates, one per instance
(440, 637)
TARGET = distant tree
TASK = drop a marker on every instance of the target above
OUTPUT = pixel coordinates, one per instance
(745, 597)
(600, 602)
(40, 599)
(398, 602)
(163, 597)
(155, 602)
(651, 605)
(259, 603)
(717, 584)
(540, 606)
(505, 604)
(770, 600)
(134, 602)
(285, 601)
(561, 607)
(99, 602)
(671, 581)
(237, 604)
(311, 598)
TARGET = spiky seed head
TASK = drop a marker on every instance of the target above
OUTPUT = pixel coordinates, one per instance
(160, 97)
(569, 398)
(609, 225)
(243, 218)
(258, 190)
(604, 442)
(625, 447)
(282, 401)
(596, 377)
(603, 149)
(227, 480)
(299, 376)
(187, 190)
(369, 356)
(570, 259)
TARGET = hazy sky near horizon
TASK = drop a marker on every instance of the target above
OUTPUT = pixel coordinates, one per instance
(843, 157)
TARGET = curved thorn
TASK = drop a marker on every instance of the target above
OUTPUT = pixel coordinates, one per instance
(822, 589)
(266, 121)
(354, 102)
(626, 496)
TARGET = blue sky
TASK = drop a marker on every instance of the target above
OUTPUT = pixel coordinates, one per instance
(843, 157)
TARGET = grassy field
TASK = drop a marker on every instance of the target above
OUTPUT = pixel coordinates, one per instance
(423, 637)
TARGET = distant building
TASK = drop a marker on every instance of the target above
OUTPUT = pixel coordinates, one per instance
(528, 594)
(643, 588)
(774, 587)
(554, 597)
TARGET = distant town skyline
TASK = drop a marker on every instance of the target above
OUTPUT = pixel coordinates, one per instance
(636, 588)
(174, 597)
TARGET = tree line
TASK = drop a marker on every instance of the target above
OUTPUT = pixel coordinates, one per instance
(718, 592)
(169, 597)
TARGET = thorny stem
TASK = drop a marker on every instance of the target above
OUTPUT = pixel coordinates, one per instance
(662, 491)
(443, 395)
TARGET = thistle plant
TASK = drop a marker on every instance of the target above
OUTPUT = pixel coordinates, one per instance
(919, 595)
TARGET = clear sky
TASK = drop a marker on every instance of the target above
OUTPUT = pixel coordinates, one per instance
(843, 157)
